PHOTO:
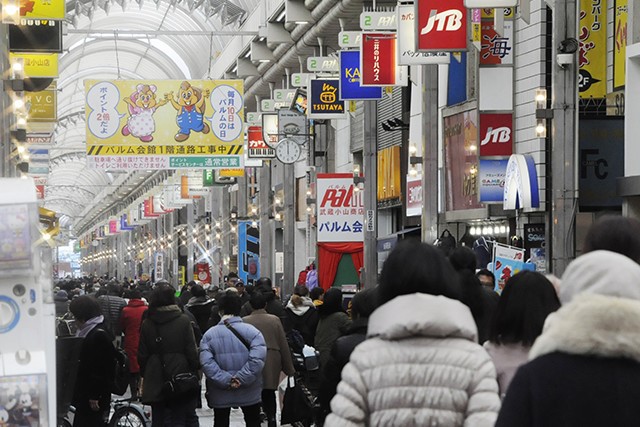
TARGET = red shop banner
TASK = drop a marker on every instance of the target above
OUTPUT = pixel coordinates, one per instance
(378, 66)
(442, 25)
(496, 134)
(203, 273)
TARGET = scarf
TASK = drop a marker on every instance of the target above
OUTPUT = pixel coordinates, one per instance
(88, 326)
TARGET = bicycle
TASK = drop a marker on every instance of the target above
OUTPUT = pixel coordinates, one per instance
(124, 413)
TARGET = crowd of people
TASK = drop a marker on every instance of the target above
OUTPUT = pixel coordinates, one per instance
(431, 345)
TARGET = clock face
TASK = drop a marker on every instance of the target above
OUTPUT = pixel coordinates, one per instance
(288, 151)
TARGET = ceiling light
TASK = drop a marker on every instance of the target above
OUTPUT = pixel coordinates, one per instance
(297, 13)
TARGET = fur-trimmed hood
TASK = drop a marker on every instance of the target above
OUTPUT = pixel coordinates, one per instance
(593, 325)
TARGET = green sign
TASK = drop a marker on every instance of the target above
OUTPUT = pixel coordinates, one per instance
(215, 162)
(207, 177)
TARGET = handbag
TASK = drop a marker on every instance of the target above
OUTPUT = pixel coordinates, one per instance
(179, 385)
(297, 404)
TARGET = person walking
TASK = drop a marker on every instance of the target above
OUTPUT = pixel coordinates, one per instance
(421, 364)
(112, 304)
(278, 355)
(584, 369)
(92, 391)
(232, 355)
(302, 314)
(61, 301)
(200, 306)
(167, 348)
(130, 324)
(333, 323)
(526, 301)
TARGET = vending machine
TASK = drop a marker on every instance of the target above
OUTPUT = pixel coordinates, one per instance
(27, 314)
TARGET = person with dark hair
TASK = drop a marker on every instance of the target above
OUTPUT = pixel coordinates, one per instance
(616, 234)
(167, 348)
(526, 301)
(362, 305)
(302, 314)
(233, 355)
(480, 301)
(186, 293)
(316, 294)
(130, 324)
(112, 304)
(421, 364)
(92, 392)
(488, 279)
(274, 305)
(242, 292)
(61, 301)
(333, 323)
(200, 306)
(584, 368)
(278, 354)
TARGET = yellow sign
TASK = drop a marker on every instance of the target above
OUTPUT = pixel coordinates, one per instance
(41, 9)
(592, 81)
(620, 12)
(37, 64)
(232, 172)
(180, 124)
(487, 13)
(389, 186)
(41, 106)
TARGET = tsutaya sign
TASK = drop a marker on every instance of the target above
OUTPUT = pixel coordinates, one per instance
(340, 209)
(521, 183)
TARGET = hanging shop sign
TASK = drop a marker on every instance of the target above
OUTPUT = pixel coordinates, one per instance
(322, 64)
(406, 49)
(36, 35)
(270, 129)
(191, 184)
(507, 261)
(41, 106)
(293, 126)
(324, 102)
(283, 97)
(491, 180)
(340, 209)
(38, 154)
(350, 88)
(496, 49)
(378, 58)
(248, 252)
(496, 134)
(258, 149)
(441, 25)
(37, 64)
(620, 17)
(389, 189)
(521, 183)
(49, 9)
(592, 54)
(40, 192)
(461, 161)
(158, 266)
(378, 20)
(489, 12)
(300, 102)
(124, 225)
(40, 138)
(349, 39)
(207, 177)
(165, 124)
(231, 173)
(301, 79)
(534, 245)
(414, 196)
(203, 273)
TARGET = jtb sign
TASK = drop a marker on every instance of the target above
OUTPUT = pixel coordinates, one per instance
(341, 210)
(496, 134)
(441, 25)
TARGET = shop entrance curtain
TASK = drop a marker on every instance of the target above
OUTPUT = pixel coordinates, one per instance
(329, 255)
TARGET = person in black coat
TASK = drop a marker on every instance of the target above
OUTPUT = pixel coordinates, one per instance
(92, 392)
(362, 305)
(200, 306)
(302, 314)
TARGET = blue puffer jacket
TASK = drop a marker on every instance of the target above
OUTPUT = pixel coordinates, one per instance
(223, 356)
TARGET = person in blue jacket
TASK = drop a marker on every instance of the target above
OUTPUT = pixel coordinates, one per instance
(232, 355)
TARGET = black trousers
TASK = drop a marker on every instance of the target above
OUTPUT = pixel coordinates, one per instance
(269, 405)
(86, 417)
(251, 416)
(174, 414)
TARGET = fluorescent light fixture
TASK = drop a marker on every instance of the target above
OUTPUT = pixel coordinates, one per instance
(297, 13)
(261, 53)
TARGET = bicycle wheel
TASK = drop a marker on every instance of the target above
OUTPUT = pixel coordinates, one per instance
(127, 417)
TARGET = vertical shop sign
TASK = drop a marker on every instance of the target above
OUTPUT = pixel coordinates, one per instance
(258, 149)
(414, 196)
(592, 56)
(620, 13)
(378, 59)
(324, 101)
(496, 49)
(534, 245)
(248, 252)
(496, 134)
(340, 209)
(441, 25)
(350, 79)
(406, 49)
(158, 266)
(492, 177)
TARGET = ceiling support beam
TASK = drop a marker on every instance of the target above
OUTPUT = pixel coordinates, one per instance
(118, 33)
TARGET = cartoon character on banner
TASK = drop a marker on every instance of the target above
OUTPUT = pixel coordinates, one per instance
(142, 104)
(190, 106)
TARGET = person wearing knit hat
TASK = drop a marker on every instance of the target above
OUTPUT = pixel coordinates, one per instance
(584, 370)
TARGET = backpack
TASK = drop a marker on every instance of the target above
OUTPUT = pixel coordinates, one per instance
(121, 374)
(312, 279)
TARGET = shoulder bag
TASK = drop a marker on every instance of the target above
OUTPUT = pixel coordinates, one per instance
(237, 334)
(179, 385)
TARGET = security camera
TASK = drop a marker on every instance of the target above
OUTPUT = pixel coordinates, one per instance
(564, 59)
(568, 46)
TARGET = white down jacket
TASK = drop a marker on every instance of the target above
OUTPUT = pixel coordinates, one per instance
(422, 367)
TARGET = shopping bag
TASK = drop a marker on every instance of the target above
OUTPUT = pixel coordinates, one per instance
(296, 405)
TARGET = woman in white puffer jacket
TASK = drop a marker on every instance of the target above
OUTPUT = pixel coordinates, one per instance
(421, 365)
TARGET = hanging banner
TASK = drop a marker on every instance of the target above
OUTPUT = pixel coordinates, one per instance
(496, 49)
(248, 252)
(592, 55)
(507, 261)
(340, 209)
(258, 149)
(324, 101)
(441, 25)
(378, 57)
(158, 266)
(406, 49)
(492, 176)
(165, 124)
(476, 28)
(620, 13)
(203, 273)
(350, 77)
(496, 134)
(292, 125)
(270, 129)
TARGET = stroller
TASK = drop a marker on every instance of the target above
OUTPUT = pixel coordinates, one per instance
(306, 364)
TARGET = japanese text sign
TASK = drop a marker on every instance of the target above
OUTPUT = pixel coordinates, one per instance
(406, 49)
(592, 55)
(492, 178)
(340, 209)
(441, 25)
(496, 49)
(350, 77)
(258, 149)
(378, 59)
